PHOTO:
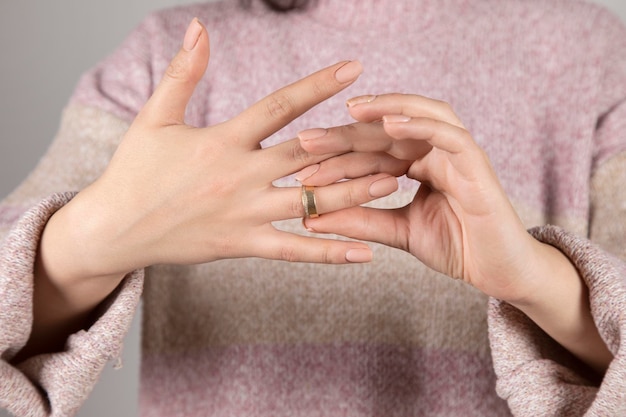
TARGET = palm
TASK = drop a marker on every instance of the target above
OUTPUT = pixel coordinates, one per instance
(460, 222)
(433, 232)
(468, 246)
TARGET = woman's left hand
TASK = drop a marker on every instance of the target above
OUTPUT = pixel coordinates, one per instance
(460, 222)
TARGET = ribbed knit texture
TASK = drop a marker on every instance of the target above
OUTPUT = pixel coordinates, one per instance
(541, 86)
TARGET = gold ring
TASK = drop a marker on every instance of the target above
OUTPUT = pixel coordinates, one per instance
(308, 201)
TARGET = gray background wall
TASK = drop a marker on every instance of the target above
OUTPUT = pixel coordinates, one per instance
(45, 47)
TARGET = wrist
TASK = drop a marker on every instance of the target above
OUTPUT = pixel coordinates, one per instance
(549, 273)
(557, 300)
(74, 246)
(67, 286)
(68, 283)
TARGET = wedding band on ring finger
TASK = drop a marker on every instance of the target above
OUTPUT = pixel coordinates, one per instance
(308, 202)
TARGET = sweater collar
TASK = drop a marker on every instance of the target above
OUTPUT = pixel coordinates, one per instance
(381, 16)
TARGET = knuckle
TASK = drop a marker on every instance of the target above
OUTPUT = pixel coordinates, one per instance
(221, 186)
(346, 135)
(225, 247)
(177, 70)
(296, 208)
(298, 154)
(445, 107)
(465, 139)
(326, 255)
(280, 106)
(350, 198)
(349, 130)
(377, 162)
(288, 253)
(320, 90)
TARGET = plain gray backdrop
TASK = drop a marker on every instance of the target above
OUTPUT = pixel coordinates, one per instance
(45, 47)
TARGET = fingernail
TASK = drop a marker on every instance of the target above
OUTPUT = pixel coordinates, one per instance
(348, 71)
(310, 134)
(306, 226)
(192, 35)
(360, 100)
(383, 187)
(307, 172)
(359, 255)
(396, 118)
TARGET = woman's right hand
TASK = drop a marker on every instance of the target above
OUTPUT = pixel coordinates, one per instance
(177, 194)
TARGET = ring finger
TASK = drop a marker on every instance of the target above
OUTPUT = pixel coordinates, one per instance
(288, 202)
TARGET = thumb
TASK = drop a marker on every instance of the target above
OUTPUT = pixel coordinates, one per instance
(169, 100)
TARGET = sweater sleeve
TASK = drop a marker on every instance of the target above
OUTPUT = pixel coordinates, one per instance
(57, 384)
(52, 384)
(535, 375)
(106, 100)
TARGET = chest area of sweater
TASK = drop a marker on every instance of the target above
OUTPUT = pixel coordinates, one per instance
(394, 300)
(513, 101)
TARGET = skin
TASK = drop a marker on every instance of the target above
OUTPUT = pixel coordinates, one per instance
(177, 194)
(460, 221)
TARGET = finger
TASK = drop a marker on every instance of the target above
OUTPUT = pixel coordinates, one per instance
(361, 137)
(288, 157)
(363, 223)
(440, 134)
(457, 166)
(352, 165)
(372, 108)
(169, 100)
(281, 107)
(371, 137)
(287, 202)
(294, 248)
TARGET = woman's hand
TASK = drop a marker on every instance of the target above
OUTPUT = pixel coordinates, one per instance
(178, 194)
(460, 221)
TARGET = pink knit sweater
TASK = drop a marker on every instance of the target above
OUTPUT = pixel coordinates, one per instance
(540, 84)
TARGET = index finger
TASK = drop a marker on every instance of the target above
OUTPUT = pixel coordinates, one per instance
(278, 109)
(371, 108)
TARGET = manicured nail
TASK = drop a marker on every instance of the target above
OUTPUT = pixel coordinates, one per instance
(307, 172)
(349, 71)
(396, 118)
(311, 134)
(383, 187)
(360, 100)
(359, 255)
(193, 34)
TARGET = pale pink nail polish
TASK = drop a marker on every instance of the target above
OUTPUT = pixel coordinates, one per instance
(359, 255)
(192, 35)
(307, 172)
(383, 187)
(360, 100)
(349, 72)
(311, 134)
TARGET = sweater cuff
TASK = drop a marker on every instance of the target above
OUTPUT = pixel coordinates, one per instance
(57, 383)
(535, 374)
